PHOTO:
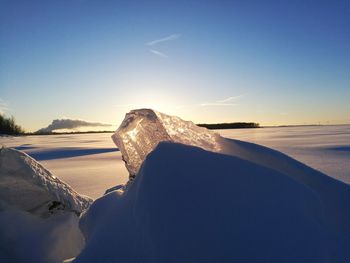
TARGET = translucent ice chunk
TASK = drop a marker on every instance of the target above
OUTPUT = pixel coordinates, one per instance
(142, 130)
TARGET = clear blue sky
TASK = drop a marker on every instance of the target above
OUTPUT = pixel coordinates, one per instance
(273, 62)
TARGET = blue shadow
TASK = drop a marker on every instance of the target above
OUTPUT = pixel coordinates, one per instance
(67, 152)
(341, 148)
(24, 148)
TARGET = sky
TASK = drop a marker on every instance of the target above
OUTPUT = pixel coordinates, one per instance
(271, 62)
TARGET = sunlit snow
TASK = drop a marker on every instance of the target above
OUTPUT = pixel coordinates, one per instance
(196, 196)
(27, 185)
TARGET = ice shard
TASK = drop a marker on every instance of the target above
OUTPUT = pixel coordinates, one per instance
(142, 130)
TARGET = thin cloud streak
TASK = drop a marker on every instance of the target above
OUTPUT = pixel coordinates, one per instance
(158, 53)
(218, 104)
(230, 99)
(164, 39)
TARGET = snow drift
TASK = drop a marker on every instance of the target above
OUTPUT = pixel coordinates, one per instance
(26, 238)
(27, 185)
(191, 205)
(230, 201)
(193, 196)
(38, 212)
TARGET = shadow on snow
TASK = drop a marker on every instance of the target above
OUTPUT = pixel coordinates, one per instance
(65, 152)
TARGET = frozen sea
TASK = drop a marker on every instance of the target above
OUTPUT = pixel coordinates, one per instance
(91, 163)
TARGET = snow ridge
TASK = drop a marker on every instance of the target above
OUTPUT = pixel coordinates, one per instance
(27, 185)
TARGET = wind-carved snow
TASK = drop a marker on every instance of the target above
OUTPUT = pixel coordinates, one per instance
(190, 205)
(142, 130)
(27, 185)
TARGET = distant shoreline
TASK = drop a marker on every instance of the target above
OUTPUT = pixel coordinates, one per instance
(57, 133)
(216, 126)
(232, 125)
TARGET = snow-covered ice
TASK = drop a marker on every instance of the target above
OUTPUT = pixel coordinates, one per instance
(325, 148)
(196, 196)
(27, 185)
(39, 213)
(90, 163)
(237, 202)
(191, 205)
(26, 238)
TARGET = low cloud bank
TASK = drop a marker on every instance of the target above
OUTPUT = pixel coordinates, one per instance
(70, 124)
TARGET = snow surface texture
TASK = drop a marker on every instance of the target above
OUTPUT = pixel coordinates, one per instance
(26, 238)
(325, 148)
(142, 130)
(38, 212)
(27, 185)
(213, 208)
(232, 202)
(246, 203)
(89, 163)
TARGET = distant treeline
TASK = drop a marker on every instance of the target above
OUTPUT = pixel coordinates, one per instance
(232, 125)
(8, 126)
